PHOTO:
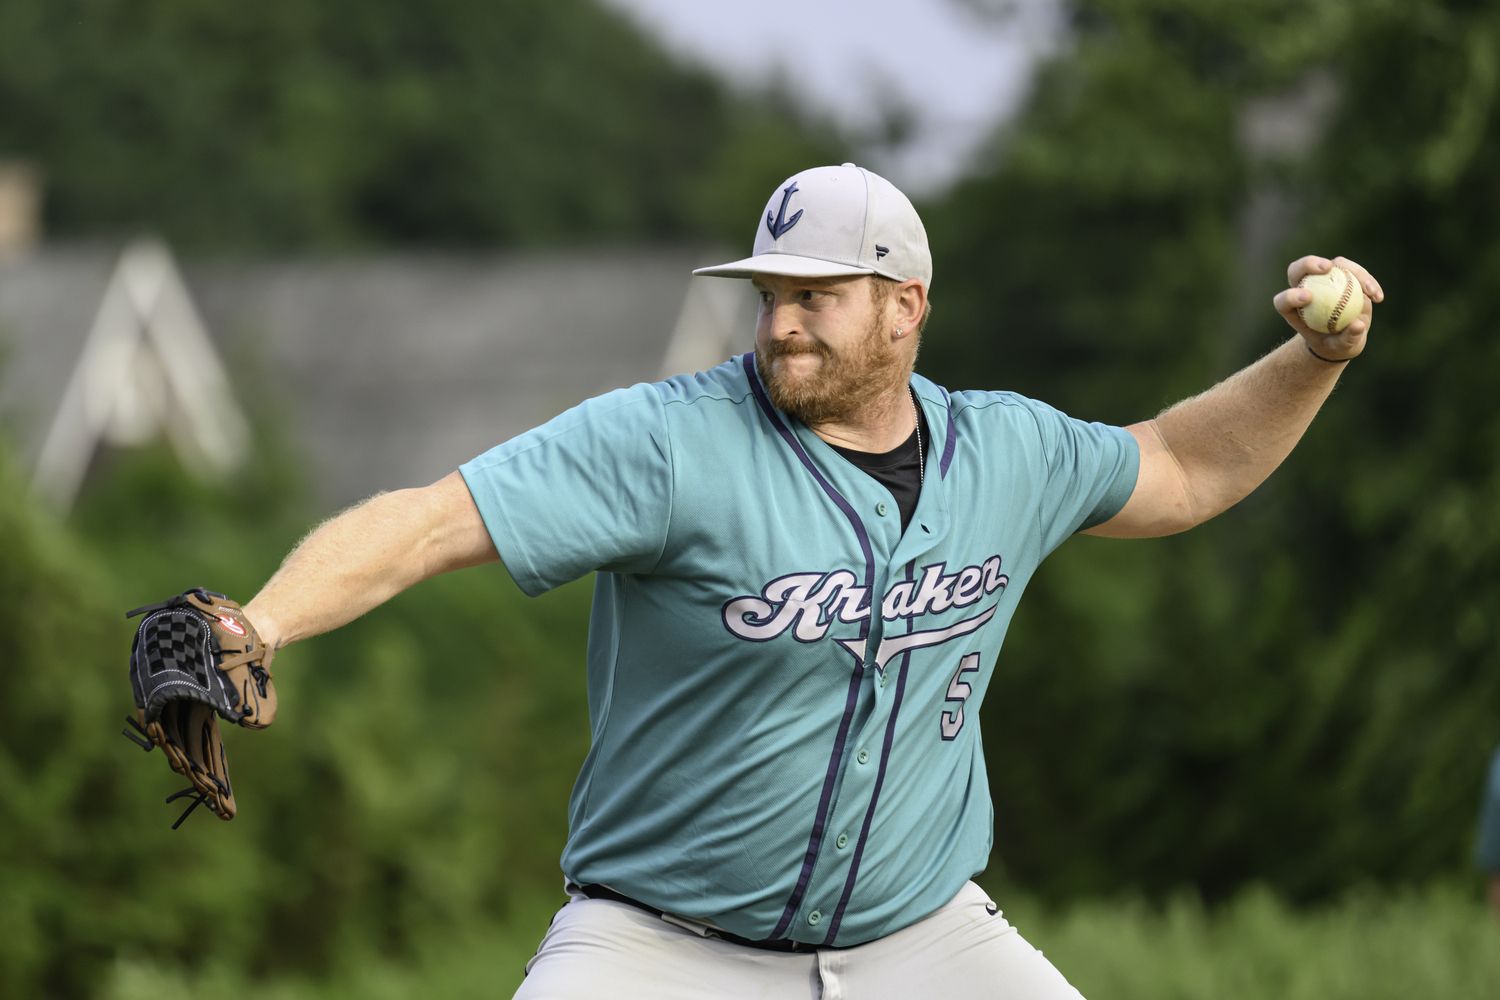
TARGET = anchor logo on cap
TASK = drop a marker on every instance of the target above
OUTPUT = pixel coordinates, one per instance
(781, 224)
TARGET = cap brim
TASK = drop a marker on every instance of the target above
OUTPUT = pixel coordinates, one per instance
(782, 263)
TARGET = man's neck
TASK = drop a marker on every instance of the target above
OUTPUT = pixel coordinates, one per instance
(884, 424)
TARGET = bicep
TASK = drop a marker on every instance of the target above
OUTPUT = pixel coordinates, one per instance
(1161, 503)
(457, 535)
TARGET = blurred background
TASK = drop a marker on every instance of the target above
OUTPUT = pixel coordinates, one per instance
(258, 261)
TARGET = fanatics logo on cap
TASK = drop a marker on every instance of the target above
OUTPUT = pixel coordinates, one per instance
(846, 221)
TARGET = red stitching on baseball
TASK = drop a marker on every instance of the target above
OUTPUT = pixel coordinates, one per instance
(1338, 310)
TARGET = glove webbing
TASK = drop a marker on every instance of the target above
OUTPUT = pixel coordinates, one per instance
(148, 746)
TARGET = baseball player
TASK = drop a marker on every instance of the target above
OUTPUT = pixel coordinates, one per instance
(1487, 846)
(805, 562)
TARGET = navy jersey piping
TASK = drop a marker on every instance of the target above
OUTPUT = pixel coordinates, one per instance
(885, 759)
(815, 840)
(952, 439)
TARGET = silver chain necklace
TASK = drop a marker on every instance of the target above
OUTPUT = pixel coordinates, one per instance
(921, 454)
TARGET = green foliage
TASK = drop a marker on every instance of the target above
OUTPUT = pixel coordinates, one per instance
(482, 961)
(415, 783)
(63, 783)
(1440, 943)
(1302, 693)
(1305, 690)
(289, 123)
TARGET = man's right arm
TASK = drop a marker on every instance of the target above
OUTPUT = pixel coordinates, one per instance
(369, 554)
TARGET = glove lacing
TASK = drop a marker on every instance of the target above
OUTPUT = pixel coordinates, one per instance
(198, 797)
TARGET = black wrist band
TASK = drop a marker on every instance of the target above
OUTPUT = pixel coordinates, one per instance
(1331, 361)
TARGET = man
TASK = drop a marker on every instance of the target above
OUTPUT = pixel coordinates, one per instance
(806, 560)
(1487, 850)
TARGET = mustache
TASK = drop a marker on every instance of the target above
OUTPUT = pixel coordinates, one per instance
(793, 348)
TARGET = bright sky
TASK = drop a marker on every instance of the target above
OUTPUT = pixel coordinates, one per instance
(959, 66)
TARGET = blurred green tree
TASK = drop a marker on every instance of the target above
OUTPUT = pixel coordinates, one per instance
(1301, 692)
(414, 786)
(331, 123)
(62, 785)
(1304, 690)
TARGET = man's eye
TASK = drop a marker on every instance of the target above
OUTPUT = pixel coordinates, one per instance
(765, 297)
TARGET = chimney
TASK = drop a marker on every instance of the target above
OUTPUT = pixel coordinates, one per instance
(20, 208)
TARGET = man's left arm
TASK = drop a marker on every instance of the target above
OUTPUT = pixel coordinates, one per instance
(1207, 453)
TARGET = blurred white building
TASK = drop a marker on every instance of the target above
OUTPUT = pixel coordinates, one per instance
(391, 370)
(147, 369)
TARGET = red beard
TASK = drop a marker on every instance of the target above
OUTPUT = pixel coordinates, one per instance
(843, 385)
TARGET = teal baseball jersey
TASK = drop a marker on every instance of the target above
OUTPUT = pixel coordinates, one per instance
(784, 688)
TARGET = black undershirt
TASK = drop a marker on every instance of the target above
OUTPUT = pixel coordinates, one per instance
(898, 470)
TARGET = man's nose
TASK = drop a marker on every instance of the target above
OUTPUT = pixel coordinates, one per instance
(783, 319)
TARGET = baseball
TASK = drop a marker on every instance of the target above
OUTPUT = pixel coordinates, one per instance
(1337, 299)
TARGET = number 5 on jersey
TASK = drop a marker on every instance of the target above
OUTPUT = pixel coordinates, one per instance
(958, 691)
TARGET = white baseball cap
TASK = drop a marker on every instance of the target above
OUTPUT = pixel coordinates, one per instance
(832, 221)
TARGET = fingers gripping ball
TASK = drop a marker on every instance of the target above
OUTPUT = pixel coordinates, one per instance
(1337, 300)
(196, 658)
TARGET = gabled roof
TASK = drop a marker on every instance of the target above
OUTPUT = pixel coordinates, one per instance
(147, 368)
(395, 369)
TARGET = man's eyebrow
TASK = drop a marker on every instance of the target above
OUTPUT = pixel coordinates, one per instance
(814, 285)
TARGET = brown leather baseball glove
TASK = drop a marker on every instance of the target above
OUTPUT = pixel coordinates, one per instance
(195, 658)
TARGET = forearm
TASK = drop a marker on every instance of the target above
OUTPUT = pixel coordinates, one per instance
(366, 556)
(1205, 454)
(1226, 441)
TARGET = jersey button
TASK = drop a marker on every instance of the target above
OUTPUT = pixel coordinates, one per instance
(843, 841)
(881, 508)
(814, 917)
(864, 756)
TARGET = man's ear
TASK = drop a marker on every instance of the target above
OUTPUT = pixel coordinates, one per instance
(911, 304)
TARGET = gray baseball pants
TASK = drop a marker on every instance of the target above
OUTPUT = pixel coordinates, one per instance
(597, 949)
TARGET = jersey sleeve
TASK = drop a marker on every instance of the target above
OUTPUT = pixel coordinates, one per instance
(1091, 470)
(589, 490)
